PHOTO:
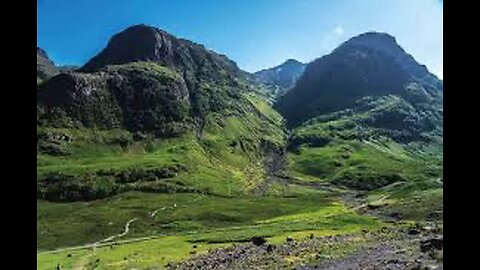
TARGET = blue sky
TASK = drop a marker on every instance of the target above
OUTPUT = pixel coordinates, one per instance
(256, 34)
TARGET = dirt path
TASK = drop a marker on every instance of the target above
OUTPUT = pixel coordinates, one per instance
(109, 240)
(125, 232)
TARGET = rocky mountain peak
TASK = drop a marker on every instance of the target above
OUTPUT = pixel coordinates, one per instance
(136, 43)
(293, 62)
(150, 44)
(387, 44)
(282, 77)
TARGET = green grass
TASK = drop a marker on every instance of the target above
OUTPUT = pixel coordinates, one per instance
(340, 158)
(265, 108)
(140, 255)
(334, 217)
(404, 175)
(70, 224)
(355, 151)
(150, 67)
(413, 201)
(226, 159)
(92, 150)
(209, 222)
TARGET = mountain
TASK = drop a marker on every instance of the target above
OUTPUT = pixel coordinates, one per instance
(151, 114)
(366, 116)
(371, 64)
(68, 68)
(45, 67)
(148, 86)
(146, 80)
(282, 77)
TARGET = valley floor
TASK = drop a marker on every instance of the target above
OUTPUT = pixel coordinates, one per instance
(324, 229)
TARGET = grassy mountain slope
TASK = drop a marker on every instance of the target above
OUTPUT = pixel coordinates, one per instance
(369, 118)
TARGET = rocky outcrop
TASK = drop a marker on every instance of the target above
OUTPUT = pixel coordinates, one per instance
(45, 67)
(137, 96)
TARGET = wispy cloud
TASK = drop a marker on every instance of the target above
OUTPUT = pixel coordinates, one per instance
(331, 39)
(338, 30)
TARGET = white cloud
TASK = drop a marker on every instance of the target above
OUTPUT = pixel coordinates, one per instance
(339, 30)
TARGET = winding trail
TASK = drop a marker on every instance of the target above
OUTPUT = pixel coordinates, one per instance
(125, 232)
(152, 214)
(109, 240)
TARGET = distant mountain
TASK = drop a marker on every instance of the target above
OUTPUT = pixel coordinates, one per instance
(45, 67)
(282, 77)
(371, 64)
(68, 68)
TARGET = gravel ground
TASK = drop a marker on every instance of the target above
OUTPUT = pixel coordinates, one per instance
(414, 248)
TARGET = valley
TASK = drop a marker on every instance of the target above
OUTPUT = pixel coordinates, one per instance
(161, 154)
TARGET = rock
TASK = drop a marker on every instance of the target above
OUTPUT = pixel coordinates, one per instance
(289, 239)
(384, 230)
(359, 195)
(395, 215)
(413, 231)
(138, 136)
(431, 244)
(258, 240)
(52, 149)
(435, 215)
